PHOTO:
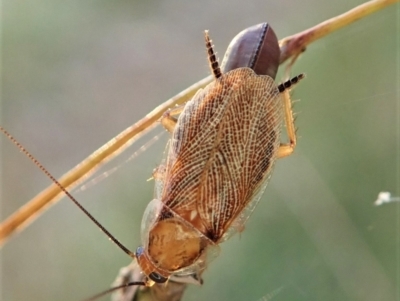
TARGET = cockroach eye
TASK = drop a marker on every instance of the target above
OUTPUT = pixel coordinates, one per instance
(139, 251)
(157, 278)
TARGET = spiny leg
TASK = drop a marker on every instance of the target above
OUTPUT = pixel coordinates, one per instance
(168, 121)
(286, 149)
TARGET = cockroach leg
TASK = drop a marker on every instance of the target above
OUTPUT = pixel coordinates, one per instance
(212, 58)
(168, 121)
(158, 172)
(286, 149)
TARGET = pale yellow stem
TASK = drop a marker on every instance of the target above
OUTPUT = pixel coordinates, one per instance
(295, 44)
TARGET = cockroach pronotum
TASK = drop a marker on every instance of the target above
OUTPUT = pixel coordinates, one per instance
(222, 151)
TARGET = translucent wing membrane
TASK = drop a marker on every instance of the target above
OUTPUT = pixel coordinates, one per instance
(222, 151)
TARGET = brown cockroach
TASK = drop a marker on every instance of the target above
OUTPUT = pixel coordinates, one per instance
(221, 154)
(222, 151)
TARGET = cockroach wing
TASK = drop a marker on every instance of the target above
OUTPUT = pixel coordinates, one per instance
(222, 152)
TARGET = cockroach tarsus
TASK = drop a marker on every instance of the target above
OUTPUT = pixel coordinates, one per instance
(215, 69)
(223, 147)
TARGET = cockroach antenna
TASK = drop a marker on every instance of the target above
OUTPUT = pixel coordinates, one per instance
(48, 174)
(113, 289)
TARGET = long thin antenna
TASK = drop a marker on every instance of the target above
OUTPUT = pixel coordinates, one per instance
(110, 290)
(47, 173)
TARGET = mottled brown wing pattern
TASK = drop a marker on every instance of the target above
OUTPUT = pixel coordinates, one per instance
(222, 150)
(250, 137)
(191, 144)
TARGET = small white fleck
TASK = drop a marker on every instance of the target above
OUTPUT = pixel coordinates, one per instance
(193, 214)
(385, 197)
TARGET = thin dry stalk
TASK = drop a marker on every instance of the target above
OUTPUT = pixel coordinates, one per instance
(293, 45)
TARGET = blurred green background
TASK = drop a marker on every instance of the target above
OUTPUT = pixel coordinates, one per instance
(76, 73)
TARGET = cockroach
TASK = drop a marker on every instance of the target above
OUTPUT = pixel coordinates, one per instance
(222, 151)
(223, 148)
